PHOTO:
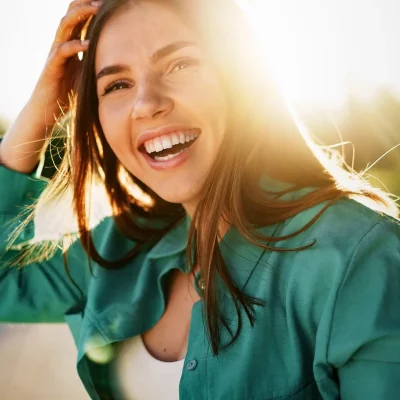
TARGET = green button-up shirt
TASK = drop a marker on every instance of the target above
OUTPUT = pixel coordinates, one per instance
(330, 327)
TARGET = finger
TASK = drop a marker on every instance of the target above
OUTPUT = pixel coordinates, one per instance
(75, 3)
(75, 16)
(60, 54)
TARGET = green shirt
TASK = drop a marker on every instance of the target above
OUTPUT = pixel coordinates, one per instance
(330, 327)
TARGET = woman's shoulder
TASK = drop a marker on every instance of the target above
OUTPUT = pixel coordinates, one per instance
(349, 242)
(344, 221)
(347, 216)
(352, 278)
(352, 267)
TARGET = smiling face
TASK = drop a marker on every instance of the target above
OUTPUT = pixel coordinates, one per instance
(161, 104)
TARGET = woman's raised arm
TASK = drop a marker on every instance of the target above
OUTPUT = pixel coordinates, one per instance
(23, 142)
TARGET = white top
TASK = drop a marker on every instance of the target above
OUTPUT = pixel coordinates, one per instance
(143, 377)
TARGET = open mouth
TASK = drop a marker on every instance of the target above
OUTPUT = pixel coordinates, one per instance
(167, 147)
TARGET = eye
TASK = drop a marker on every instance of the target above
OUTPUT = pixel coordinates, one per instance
(116, 86)
(183, 64)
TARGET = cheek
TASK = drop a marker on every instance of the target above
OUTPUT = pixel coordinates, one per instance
(206, 90)
(115, 123)
(206, 99)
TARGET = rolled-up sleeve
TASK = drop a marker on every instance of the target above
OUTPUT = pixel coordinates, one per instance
(37, 292)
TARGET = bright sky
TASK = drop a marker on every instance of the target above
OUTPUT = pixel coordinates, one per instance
(26, 33)
(314, 46)
(320, 47)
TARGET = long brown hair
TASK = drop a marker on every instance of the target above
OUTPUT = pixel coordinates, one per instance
(263, 138)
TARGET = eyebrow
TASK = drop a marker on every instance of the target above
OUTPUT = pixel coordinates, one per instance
(169, 49)
(154, 59)
(112, 70)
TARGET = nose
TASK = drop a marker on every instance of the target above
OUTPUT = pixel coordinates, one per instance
(150, 103)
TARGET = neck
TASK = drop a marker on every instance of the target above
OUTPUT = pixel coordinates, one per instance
(223, 225)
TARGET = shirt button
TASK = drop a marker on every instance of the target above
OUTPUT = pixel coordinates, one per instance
(191, 365)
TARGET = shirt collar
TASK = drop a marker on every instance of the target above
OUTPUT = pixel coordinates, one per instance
(173, 242)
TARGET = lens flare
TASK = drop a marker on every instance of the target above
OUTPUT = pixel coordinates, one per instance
(319, 52)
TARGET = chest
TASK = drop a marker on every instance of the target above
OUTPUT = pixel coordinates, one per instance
(168, 339)
(266, 362)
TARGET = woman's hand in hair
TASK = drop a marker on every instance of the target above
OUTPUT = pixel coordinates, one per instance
(23, 143)
(60, 71)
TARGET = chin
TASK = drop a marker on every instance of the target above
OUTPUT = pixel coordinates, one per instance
(177, 198)
(180, 195)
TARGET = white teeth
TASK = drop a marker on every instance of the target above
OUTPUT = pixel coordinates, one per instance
(168, 157)
(175, 139)
(157, 144)
(166, 142)
(149, 146)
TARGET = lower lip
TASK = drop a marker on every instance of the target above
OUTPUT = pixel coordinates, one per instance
(173, 162)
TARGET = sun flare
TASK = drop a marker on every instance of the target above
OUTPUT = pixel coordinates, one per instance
(319, 52)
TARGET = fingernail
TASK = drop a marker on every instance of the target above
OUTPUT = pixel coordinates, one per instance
(96, 3)
(84, 42)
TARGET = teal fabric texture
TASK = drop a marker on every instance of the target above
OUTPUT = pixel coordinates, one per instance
(329, 329)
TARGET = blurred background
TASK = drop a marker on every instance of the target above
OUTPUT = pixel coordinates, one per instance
(336, 61)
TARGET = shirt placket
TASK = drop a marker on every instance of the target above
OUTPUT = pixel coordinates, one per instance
(194, 383)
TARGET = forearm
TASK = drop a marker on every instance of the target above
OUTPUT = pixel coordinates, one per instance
(24, 141)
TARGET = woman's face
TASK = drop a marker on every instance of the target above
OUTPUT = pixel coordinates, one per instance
(161, 103)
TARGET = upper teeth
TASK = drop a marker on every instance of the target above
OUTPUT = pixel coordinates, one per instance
(167, 141)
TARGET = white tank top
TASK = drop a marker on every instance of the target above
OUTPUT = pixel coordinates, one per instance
(143, 377)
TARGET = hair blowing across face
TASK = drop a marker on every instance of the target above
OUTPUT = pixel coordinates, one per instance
(262, 139)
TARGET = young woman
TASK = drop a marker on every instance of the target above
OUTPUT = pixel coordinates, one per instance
(236, 264)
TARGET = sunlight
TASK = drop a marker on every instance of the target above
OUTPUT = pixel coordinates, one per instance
(319, 52)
